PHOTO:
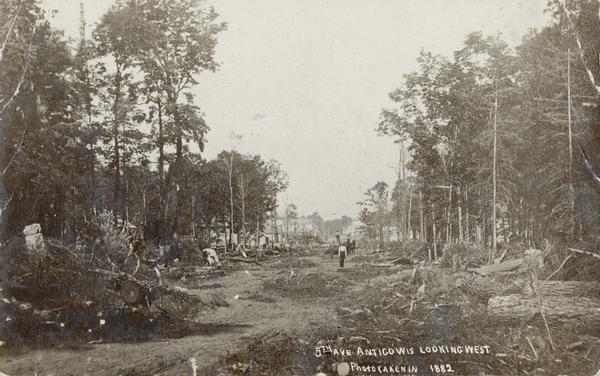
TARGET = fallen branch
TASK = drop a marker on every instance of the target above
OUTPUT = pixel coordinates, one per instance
(546, 325)
(418, 323)
(14, 156)
(62, 247)
(559, 268)
(412, 276)
(498, 260)
(532, 348)
(402, 260)
(585, 252)
(391, 304)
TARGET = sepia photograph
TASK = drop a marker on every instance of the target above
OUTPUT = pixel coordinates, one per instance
(299, 187)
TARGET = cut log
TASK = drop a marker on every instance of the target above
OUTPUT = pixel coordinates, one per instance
(558, 311)
(131, 292)
(485, 288)
(565, 289)
(497, 268)
(482, 289)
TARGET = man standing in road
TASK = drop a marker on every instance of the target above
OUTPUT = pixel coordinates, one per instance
(342, 252)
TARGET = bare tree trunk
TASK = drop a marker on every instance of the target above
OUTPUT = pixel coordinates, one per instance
(257, 229)
(161, 145)
(408, 229)
(243, 198)
(275, 229)
(494, 177)
(227, 241)
(571, 188)
(231, 198)
(88, 108)
(287, 224)
(124, 183)
(434, 234)
(125, 200)
(484, 230)
(422, 235)
(448, 214)
(194, 216)
(144, 208)
(461, 237)
(468, 232)
(177, 165)
(115, 135)
(402, 198)
(161, 174)
(73, 216)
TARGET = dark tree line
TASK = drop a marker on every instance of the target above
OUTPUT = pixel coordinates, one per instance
(112, 124)
(495, 135)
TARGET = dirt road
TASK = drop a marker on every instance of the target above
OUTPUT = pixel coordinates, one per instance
(251, 314)
(267, 320)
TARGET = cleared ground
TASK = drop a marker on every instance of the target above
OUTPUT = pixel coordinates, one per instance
(268, 319)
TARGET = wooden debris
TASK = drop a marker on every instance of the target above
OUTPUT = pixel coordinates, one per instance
(585, 252)
(413, 276)
(558, 310)
(575, 346)
(498, 268)
(402, 261)
(501, 257)
(131, 292)
(566, 289)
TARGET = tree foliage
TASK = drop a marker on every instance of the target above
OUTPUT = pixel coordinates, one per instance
(446, 111)
(112, 124)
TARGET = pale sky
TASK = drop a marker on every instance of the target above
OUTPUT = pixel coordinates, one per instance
(304, 80)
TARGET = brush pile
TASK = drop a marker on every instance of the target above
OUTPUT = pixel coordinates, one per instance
(73, 291)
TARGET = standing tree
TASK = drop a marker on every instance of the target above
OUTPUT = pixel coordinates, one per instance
(39, 137)
(178, 40)
(116, 38)
(375, 214)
